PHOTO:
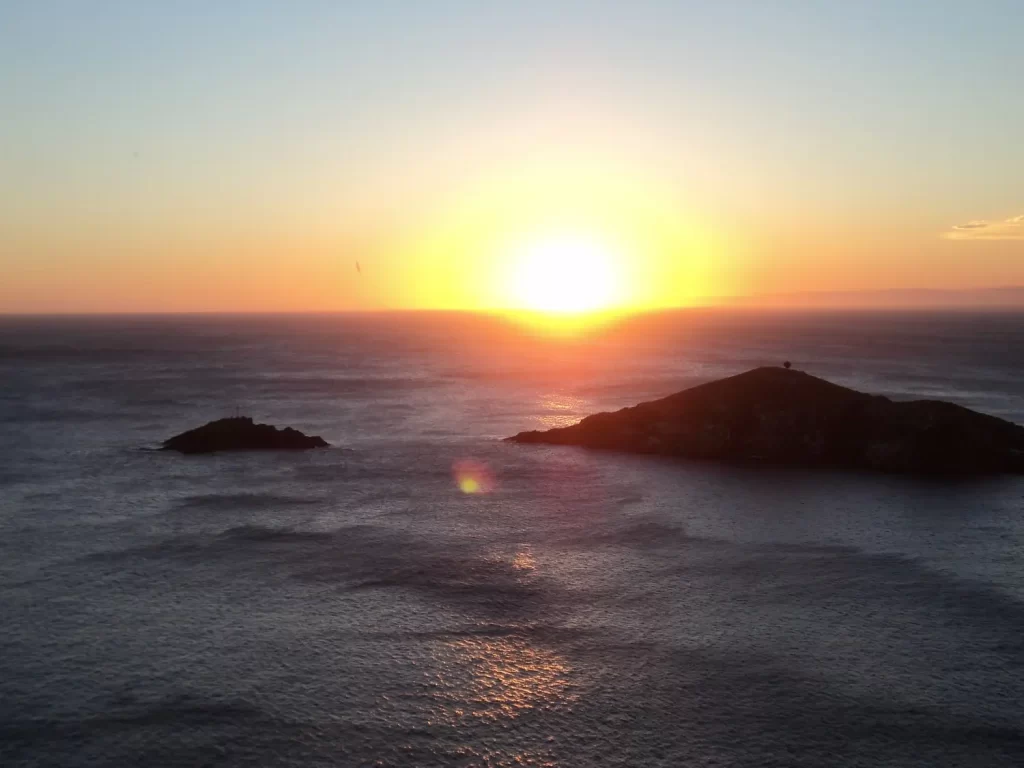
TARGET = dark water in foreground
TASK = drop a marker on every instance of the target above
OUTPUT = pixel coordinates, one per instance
(352, 607)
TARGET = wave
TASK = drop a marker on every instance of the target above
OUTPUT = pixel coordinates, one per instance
(260, 533)
(243, 501)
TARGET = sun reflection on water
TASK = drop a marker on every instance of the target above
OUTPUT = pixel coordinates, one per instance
(523, 561)
(561, 410)
(483, 678)
(500, 678)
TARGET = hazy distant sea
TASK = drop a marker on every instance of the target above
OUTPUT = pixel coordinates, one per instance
(352, 607)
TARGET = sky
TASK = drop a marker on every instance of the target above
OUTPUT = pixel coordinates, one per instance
(243, 156)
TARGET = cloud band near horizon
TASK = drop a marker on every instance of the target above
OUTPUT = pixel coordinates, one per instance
(981, 229)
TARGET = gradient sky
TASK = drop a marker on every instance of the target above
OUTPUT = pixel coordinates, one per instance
(159, 156)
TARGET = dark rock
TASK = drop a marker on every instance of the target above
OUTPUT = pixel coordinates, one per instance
(782, 416)
(240, 433)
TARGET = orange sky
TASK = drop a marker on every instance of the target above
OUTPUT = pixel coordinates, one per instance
(211, 167)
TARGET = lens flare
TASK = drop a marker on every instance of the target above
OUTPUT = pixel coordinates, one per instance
(472, 477)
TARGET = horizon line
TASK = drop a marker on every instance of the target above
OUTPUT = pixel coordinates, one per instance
(865, 309)
(735, 302)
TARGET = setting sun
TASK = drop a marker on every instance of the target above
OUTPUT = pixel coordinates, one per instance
(566, 274)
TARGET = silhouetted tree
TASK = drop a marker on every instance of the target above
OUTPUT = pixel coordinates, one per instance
(787, 365)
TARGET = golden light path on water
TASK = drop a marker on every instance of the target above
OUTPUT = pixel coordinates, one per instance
(495, 678)
(561, 410)
(563, 325)
(499, 678)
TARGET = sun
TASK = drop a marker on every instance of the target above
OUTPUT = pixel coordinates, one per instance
(565, 274)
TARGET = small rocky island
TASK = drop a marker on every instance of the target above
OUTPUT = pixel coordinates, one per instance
(787, 417)
(240, 433)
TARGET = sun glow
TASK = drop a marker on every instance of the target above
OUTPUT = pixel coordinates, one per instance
(565, 274)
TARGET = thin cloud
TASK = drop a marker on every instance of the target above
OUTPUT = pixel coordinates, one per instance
(980, 229)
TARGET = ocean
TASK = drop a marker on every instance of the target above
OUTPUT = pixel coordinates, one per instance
(352, 606)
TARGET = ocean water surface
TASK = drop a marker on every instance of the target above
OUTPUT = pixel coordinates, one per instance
(354, 607)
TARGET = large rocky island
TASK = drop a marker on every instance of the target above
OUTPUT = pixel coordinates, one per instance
(240, 433)
(781, 416)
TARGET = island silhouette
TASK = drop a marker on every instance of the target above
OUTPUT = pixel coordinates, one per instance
(777, 415)
(241, 433)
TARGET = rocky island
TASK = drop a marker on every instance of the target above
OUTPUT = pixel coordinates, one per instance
(240, 433)
(788, 417)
